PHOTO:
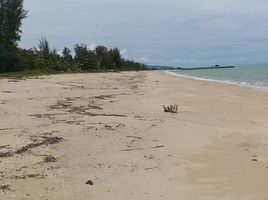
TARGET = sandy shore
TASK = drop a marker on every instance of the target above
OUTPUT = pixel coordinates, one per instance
(59, 132)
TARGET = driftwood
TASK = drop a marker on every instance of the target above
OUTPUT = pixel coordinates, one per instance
(150, 168)
(171, 108)
(136, 137)
(140, 149)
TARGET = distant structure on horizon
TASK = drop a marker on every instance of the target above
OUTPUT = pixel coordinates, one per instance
(212, 67)
(159, 67)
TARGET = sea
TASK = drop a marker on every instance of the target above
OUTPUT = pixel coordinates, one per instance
(253, 77)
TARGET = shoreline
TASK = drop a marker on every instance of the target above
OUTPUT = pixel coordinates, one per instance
(241, 84)
(59, 132)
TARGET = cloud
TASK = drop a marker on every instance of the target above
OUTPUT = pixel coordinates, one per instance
(124, 53)
(145, 59)
(152, 61)
(59, 53)
(184, 32)
(92, 46)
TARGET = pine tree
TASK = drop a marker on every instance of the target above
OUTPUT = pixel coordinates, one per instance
(11, 15)
(66, 54)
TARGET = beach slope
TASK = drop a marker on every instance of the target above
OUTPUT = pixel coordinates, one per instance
(105, 136)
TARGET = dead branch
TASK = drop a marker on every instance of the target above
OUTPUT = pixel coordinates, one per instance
(136, 137)
(140, 149)
(159, 146)
(171, 108)
(148, 168)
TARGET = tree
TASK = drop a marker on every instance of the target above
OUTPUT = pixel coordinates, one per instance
(102, 56)
(101, 51)
(66, 54)
(11, 15)
(86, 59)
(115, 57)
(43, 47)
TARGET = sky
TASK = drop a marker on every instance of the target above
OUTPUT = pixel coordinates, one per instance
(163, 32)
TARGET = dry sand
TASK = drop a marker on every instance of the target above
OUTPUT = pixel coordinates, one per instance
(59, 132)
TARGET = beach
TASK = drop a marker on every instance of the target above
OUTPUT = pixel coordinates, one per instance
(105, 136)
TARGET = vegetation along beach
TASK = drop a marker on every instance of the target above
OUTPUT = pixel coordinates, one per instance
(89, 120)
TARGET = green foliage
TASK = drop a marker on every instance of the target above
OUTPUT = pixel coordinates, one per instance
(115, 57)
(66, 55)
(99, 59)
(29, 73)
(11, 15)
(84, 58)
(43, 48)
(28, 59)
(43, 58)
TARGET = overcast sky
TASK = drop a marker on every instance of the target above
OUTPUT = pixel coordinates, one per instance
(165, 32)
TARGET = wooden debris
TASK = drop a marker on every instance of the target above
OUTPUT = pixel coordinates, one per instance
(120, 125)
(171, 108)
(148, 157)
(137, 149)
(89, 182)
(160, 146)
(140, 149)
(108, 127)
(255, 158)
(4, 187)
(136, 137)
(36, 176)
(50, 158)
(149, 168)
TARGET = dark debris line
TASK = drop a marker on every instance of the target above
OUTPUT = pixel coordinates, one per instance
(47, 141)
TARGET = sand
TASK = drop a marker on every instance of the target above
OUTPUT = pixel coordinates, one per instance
(58, 133)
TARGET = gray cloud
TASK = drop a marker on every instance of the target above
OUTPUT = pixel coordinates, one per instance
(185, 32)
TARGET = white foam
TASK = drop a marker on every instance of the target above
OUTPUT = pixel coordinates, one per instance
(256, 86)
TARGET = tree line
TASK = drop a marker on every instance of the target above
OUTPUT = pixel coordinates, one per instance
(13, 58)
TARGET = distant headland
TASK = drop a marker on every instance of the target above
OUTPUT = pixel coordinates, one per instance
(212, 67)
(158, 67)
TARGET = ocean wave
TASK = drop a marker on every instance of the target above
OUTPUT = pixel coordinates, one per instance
(259, 86)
